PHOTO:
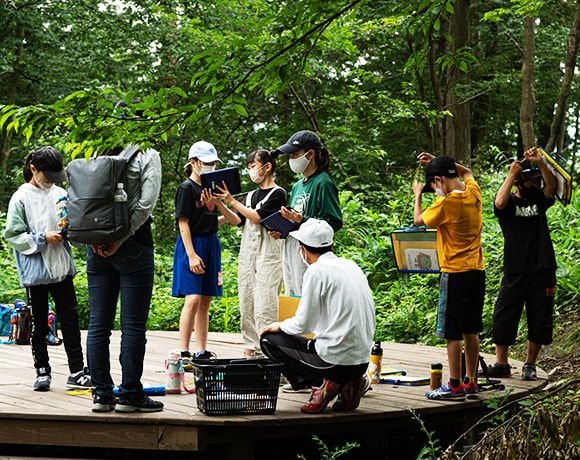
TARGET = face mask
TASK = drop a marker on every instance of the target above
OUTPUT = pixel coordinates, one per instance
(255, 175)
(299, 165)
(43, 184)
(302, 256)
(439, 191)
(206, 168)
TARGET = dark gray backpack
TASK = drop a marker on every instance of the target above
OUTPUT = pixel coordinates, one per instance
(97, 204)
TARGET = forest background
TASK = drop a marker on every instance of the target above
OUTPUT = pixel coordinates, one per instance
(379, 81)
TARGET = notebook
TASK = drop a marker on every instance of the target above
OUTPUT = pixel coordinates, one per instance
(276, 223)
(231, 176)
(564, 189)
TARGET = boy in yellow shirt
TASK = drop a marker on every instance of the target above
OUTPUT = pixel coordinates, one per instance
(457, 216)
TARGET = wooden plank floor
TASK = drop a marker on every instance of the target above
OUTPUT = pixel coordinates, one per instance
(56, 418)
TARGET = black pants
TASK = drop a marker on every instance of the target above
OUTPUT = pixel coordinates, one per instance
(302, 365)
(65, 305)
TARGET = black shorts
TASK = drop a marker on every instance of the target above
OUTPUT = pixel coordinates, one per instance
(461, 297)
(536, 291)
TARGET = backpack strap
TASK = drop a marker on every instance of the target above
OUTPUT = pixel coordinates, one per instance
(488, 384)
(130, 151)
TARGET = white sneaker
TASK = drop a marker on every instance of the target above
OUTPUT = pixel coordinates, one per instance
(288, 389)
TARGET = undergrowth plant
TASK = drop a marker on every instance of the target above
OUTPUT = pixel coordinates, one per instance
(327, 454)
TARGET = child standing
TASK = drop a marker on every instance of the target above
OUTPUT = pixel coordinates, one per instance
(260, 258)
(313, 197)
(197, 274)
(45, 264)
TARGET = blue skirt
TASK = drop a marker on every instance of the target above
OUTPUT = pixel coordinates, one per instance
(185, 282)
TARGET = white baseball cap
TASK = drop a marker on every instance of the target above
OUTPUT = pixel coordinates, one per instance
(204, 152)
(314, 233)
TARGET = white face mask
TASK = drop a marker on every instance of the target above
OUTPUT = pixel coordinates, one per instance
(43, 184)
(439, 191)
(255, 175)
(206, 168)
(299, 165)
(302, 256)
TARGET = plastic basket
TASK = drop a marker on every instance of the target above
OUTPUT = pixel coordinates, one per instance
(236, 386)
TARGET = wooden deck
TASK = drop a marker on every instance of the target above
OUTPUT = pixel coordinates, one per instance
(383, 422)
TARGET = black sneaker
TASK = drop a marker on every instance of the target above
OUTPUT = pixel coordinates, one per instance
(43, 379)
(499, 370)
(529, 372)
(80, 380)
(103, 403)
(205, 354)
(186, 361)
(142, 404)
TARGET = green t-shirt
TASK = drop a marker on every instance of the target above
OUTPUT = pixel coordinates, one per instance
(317, 197)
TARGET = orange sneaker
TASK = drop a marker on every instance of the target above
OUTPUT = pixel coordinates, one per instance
(321, 396)
(349, 397)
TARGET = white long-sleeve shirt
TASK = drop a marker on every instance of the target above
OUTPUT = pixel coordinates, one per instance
(337, 305)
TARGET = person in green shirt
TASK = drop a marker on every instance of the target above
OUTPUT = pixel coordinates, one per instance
(313, 196)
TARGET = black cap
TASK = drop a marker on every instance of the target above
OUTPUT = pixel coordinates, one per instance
(48, 160)
(438, 166)
(301, 140)
(529, 172)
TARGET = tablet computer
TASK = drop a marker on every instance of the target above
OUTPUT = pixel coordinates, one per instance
(231, 176)
(276, 223)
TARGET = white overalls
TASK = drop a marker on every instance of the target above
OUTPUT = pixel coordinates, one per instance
(259, 278)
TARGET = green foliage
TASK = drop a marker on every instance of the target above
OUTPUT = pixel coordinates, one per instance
(327, 454)
(431, 449)
(405, 303)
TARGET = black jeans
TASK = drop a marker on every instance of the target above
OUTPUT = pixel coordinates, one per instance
(302, 365)
(65, 305)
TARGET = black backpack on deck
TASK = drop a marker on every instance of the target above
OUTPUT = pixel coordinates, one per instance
(94, 214)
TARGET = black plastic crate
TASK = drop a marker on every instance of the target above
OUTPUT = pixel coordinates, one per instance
(236, 386)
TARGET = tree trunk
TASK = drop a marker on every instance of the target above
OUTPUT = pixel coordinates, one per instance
(458, 125)
(558, 128)
(528, 106)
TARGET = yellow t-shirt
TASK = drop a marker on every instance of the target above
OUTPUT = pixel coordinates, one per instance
(458, 220)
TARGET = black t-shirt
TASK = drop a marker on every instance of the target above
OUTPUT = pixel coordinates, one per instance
(527, 244)
(202, 219)
(273, 204)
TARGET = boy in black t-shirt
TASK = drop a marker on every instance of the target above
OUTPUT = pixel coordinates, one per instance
(529, 262)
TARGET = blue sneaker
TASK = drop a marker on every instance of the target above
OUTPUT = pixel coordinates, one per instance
(447, 392)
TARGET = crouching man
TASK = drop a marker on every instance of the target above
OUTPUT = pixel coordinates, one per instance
(338, 307)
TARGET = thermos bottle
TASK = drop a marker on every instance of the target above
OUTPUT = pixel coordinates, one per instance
(375, 364)
(436, 377)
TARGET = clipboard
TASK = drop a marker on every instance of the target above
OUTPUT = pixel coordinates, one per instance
(415, 250)
(276, 223)
(231, 176)
(564, 188)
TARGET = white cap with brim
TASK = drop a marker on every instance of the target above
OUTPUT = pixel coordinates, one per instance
(314, 233)
(204, 152)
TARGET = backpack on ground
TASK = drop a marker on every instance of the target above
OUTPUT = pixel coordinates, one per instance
(5, 316)
(20, 324)
(97, 203)
(52, 337)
